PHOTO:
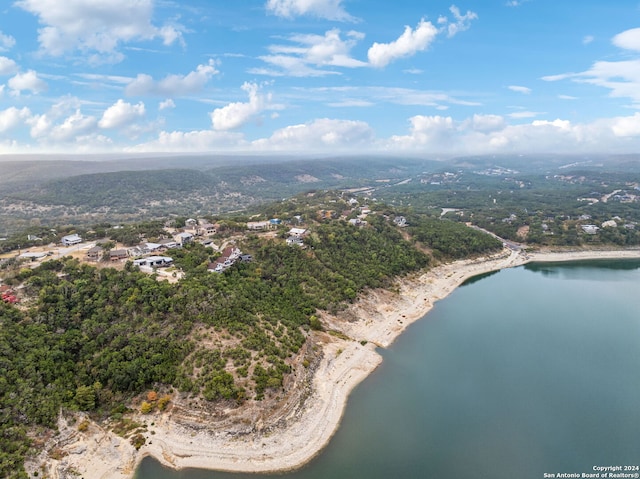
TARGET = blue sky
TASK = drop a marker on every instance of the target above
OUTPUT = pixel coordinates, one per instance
(320, 76)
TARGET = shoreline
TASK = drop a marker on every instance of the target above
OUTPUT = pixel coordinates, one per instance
(374, 321)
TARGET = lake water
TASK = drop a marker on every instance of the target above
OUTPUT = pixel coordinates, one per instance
(527, 371)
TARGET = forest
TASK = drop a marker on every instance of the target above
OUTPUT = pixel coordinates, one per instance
(91, 339)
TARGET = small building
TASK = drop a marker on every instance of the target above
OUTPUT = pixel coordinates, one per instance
(183, 238)
(70, 240)
(299, 232)
(153, 262)
(118, 254)
(207, 229)
(400, 221)
(295, 241)
(590, 229)
(94, 253)
(258, 225)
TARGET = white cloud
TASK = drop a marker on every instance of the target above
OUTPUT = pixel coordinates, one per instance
(445, 135)
(13, 117)
(237, 114)
(520, 89)
(27, 81)
(410, 42)
(561, 76)
(6, 42)
(321, 134)
(7, 66)
(485, 123)
(327, 9)
(310, 53)
(628, 126)
(629, 39)
(567, 97)
(168, 103)
(588, 39)
(622, 77)
(173, 85)
(121, 114)
(524, 114)
(74, 126)
(192, 141)
(460, 23)
(98, 26)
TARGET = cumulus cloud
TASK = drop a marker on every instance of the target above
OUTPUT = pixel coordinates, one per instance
(309, 54)
(13, 117)
(629, 39)
(7, 42)
(520, 89)
(320, 134)
(628, 126)
(74, 126)
(166, 104)
(28, 81)
(485, 123)
(488, 134)
(327, 9)
(410, 42)
(121, 114)
(192, 141)
(7, 66)
(237, 114)
(173, 85)
(98, 26)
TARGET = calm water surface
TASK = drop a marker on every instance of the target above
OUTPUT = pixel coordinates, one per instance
(527, 371)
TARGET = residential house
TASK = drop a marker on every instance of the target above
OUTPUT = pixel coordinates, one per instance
(299, 232)
(183, 238)
(258, 225)
(590, 229)
(94, 254)
(153, 262)
(295, 241)
(118, 254)
(70, 240)
(229, 256)
(400, 221)
(207, 229)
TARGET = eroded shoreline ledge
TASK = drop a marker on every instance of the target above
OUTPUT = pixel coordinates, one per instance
(300, 433)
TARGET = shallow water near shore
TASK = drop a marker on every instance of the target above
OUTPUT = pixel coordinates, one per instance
(528, 371)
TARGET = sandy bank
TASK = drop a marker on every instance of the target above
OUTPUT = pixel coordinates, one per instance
(375, 320)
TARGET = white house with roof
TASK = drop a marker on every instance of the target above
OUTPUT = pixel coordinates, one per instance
(153, 261)
(70, 240)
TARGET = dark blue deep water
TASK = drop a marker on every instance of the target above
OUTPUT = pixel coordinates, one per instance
(528, 371)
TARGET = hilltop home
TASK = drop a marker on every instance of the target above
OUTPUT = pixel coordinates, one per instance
(258, 225)
(70, 240)
(153, 261)
(183, 238)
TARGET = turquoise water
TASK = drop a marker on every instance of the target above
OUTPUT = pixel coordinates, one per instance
(528, 371)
